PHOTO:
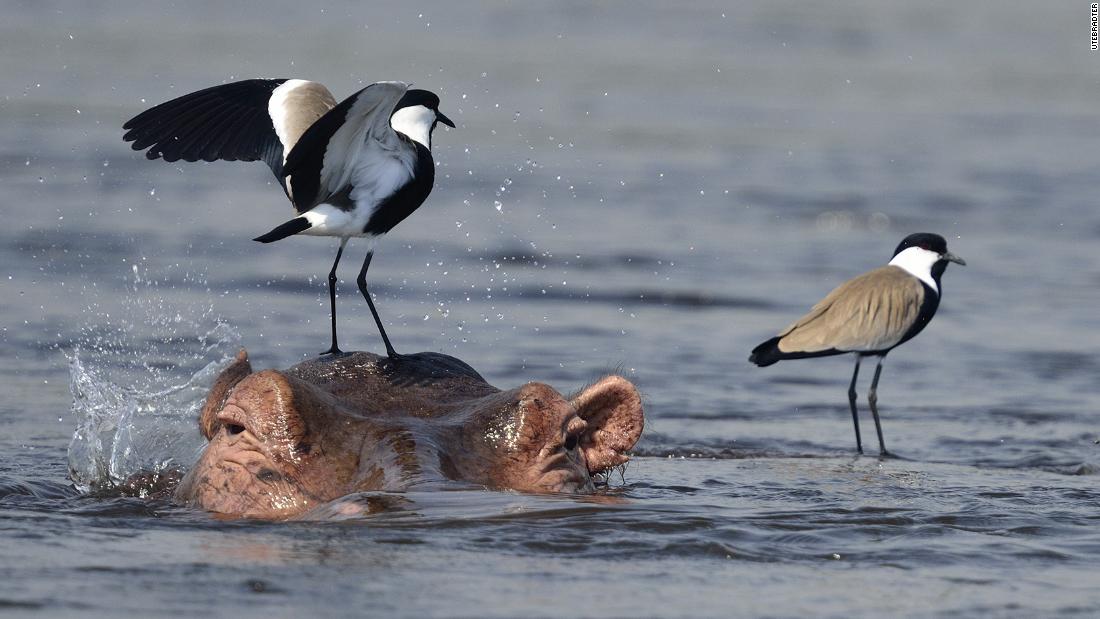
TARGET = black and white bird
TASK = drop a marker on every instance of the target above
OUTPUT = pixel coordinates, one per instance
(869, 315)
(353, 169)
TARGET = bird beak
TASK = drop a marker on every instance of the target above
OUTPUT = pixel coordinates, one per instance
(443, 119)
(950, 257)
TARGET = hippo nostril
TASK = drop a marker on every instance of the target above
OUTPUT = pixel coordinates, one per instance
(234, 428)
(268, 475)
(571, 442)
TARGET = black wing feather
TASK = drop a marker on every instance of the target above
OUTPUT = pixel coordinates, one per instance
(240, 142)
(193, 137)
(235, 141)
(173, 135)
(208, 145)
(228, 122)
(270, 152)
(177, 124)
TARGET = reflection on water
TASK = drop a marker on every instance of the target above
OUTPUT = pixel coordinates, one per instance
(647, 188)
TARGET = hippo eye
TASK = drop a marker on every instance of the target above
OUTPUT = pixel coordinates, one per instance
(571, 442)
(233, 428)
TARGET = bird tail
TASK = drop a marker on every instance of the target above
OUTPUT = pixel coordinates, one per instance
(294, 226)
(766, 353)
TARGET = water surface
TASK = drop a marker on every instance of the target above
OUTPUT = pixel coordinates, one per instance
(639, 188)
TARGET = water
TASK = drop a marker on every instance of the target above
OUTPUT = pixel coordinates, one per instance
(639, 188)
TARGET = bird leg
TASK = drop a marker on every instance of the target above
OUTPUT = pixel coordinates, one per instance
(334, 349)
(872, 400)
(852, 404)
(362, 281)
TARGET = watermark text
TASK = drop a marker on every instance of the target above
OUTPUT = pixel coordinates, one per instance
(1095, 26)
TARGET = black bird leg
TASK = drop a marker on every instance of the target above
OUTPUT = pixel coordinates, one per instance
(852, 404)
(872, 400)
(334, 349)
(362, 281)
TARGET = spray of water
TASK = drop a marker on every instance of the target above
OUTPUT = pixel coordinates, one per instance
(138, 380)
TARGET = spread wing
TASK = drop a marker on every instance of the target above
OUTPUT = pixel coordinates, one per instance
(866, 313)
(257, 119)
(323, 160)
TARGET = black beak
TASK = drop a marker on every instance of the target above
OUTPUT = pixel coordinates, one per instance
(443, 119)
(950, 257)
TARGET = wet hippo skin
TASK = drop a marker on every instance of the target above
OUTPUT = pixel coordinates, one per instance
(282, 443)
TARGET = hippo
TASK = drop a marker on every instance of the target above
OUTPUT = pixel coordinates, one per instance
(284, 442)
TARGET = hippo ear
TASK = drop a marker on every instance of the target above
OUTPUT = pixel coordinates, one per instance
(223, 384)
(613, 409)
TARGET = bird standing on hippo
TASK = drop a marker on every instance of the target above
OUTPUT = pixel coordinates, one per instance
(353, 169)
(283, 443)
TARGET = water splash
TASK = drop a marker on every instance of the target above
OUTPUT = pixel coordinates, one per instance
(149, 425)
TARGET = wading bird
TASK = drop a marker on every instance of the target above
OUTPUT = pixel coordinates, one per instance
(869, 315)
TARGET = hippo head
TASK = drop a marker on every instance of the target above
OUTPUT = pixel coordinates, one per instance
(534, 439)
(284, 442)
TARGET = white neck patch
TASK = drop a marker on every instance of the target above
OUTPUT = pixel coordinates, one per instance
(918, 262)
(416, 122)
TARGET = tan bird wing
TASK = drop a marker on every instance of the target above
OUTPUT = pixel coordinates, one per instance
(870, 312)
(294, 106)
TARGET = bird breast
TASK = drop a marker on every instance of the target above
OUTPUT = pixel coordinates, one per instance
(379, 173)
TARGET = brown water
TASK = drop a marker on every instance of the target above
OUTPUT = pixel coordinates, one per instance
(635, 187)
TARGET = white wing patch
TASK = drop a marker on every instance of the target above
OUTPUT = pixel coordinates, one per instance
(294, 106)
